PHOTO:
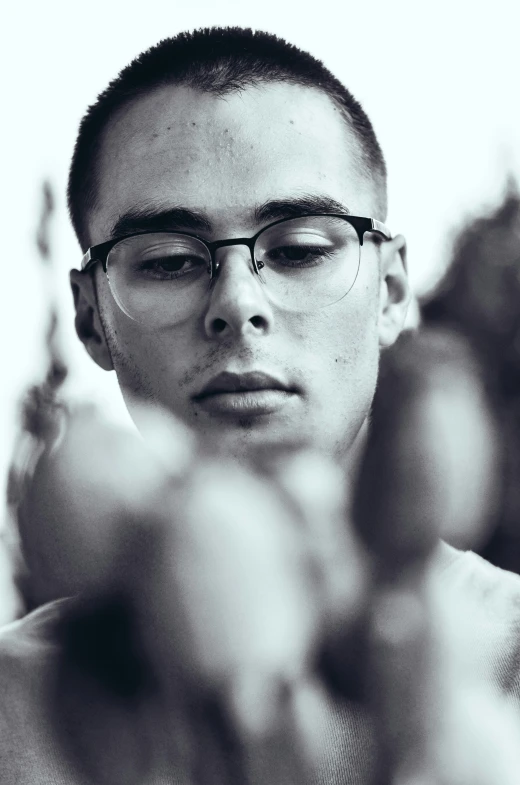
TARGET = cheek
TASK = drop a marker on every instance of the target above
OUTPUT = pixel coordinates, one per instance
(161, 359)
(342, 354)
(339, 349)
(343, 338)
(141, 358)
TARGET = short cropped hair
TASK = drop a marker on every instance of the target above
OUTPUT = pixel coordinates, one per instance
(218, 61)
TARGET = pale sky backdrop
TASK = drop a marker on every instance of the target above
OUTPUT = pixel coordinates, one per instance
(438, 79)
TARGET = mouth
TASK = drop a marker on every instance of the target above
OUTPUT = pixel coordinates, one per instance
(253, 393)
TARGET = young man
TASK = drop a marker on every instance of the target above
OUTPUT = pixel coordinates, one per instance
(223, 146)
(229, 195)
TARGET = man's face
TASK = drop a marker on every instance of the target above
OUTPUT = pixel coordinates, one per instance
(223, 159)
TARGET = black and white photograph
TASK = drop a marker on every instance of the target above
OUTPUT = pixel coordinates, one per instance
(260, 393)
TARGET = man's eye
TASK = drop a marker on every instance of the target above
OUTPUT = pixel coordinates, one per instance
(170, 267)
(298, 255)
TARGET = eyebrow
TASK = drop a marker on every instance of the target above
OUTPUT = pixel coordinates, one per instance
(307, 204)
(154, 219)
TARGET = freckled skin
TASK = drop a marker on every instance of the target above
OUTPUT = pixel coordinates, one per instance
(224, 156)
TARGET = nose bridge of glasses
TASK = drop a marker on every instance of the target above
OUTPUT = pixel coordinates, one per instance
(222, 251)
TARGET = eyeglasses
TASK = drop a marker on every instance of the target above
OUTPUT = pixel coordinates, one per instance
(302, 264)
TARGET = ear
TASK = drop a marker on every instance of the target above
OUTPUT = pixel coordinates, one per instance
(87, 322)
(394, 294)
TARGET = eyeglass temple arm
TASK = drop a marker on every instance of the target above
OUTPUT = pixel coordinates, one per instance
(379, 227)
(100, 254)
(87, 257)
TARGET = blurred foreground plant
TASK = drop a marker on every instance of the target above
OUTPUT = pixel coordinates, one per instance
(42, 415)
(479, 297)
(223, 613)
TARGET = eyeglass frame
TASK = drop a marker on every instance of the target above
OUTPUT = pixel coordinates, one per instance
(100, 252)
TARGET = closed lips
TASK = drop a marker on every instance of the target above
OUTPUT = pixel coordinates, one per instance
(228, 382)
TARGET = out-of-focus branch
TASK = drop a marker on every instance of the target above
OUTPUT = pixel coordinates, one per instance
(41, 418)
(429, 469)
(479, 296)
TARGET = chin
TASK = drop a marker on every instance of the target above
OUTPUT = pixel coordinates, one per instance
(248, 439)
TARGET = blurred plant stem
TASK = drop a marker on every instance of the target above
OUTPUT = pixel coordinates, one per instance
(42, 412)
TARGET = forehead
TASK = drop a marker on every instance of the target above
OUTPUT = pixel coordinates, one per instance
(224, 155)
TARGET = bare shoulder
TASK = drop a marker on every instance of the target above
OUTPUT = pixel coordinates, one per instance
(481, 608)
(35, 624)
(28, 750)
(496, 591)
(31, 639)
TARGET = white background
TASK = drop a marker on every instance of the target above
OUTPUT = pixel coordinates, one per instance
(439, 81)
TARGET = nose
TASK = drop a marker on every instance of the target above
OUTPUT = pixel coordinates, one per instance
(238, 306)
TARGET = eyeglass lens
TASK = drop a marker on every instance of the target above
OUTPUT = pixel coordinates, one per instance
(305, 263)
